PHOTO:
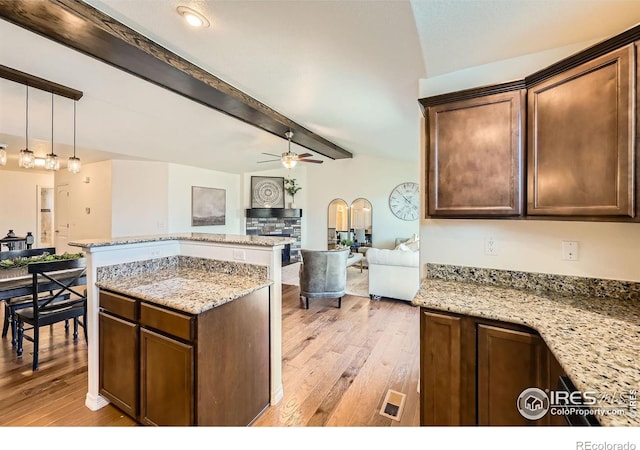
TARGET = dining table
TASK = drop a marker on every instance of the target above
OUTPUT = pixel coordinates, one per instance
(18, 282)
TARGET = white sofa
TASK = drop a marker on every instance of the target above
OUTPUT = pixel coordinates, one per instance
(393, 273)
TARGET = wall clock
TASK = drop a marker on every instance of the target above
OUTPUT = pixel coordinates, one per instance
(404, 201)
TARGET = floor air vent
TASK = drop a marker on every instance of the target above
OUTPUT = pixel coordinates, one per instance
(393, 405)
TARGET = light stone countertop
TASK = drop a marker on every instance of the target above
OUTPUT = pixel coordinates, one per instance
(186, 289)
(238, 239)
(596, 340)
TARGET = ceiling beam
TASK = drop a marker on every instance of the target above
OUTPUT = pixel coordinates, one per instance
(81, 27)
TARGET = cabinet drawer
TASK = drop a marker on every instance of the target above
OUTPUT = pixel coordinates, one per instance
(170, 322)
(118, 305)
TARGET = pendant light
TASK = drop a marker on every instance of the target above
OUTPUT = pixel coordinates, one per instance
(26, 159)
(52, 162)
(3, 155)
(74, 163)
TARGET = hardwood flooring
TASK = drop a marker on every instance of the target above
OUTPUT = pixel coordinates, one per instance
(338, 365)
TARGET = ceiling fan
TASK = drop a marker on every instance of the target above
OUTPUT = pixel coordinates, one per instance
(289, 159)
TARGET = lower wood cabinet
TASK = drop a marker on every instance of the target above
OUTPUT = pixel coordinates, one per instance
(473, 370)
(119, 362)
(165, 367)
(509, 362)
(166, 380)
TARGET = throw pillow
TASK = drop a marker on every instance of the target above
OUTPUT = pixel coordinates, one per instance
(403, 247)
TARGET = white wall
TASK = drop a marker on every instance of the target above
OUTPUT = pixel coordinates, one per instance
(139, 198)
(606, 250)
(18, 200)
(89, 202)
(182, 178)
(361, 177)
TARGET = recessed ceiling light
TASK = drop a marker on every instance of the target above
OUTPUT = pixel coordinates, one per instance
(193, 18)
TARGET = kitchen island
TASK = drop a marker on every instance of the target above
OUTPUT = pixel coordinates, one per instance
(590, 327)
(170, 270)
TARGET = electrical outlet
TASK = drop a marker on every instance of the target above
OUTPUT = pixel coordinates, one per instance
(569, 250)
(490, 247)
(239, 255)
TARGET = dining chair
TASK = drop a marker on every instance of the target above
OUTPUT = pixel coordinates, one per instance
(361, 237)
(13, 304)
(55, 276)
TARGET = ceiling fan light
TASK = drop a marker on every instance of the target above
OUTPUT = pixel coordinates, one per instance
(74, 164)
(289, 161)
(26, 159)
(3, 155)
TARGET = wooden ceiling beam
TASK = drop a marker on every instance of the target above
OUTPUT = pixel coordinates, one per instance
(83, 28)
(39, 83)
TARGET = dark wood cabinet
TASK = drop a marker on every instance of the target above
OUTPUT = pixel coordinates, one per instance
(509, 362)
(475, 155)
(558, 145)
(441, 365)
(166, 380)
(119, 362)
(166, 367)
(473, 370)
(581, 130)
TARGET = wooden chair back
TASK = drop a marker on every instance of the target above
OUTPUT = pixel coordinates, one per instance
(59, 278)
(13, 254)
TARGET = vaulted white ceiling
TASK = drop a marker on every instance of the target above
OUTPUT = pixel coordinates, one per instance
(347, 70)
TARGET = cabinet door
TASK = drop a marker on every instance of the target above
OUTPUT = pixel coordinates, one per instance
(508, 363)
(475, 156)
(440, 371)
(581, 147)
(166, 380)
(118, 350)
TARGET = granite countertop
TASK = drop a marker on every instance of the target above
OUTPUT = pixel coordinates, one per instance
(238, 239)
(184, 283)
(596, 340)
(190, 290)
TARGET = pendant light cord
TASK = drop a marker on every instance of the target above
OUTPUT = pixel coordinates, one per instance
(74, 128)
(26, 131)
(52, 122)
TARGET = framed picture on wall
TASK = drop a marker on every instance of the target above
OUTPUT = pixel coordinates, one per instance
(208, 206)
(267, 192)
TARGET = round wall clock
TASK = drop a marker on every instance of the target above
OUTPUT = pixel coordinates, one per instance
(404, 201)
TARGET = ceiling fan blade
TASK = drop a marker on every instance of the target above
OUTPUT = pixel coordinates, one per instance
(271, 154)
(317, 161)
(304, 155)
(268, 160)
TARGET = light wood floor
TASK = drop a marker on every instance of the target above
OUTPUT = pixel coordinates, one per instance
(338, 365)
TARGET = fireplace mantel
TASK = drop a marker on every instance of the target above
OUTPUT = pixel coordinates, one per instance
(258, 213)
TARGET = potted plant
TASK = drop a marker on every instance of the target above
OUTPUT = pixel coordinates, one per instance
(292, 188)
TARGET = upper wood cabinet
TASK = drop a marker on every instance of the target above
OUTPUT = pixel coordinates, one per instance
(581, 139)
(475, 156)
(559, 144)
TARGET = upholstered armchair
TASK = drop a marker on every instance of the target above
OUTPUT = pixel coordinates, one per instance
(323, 274)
